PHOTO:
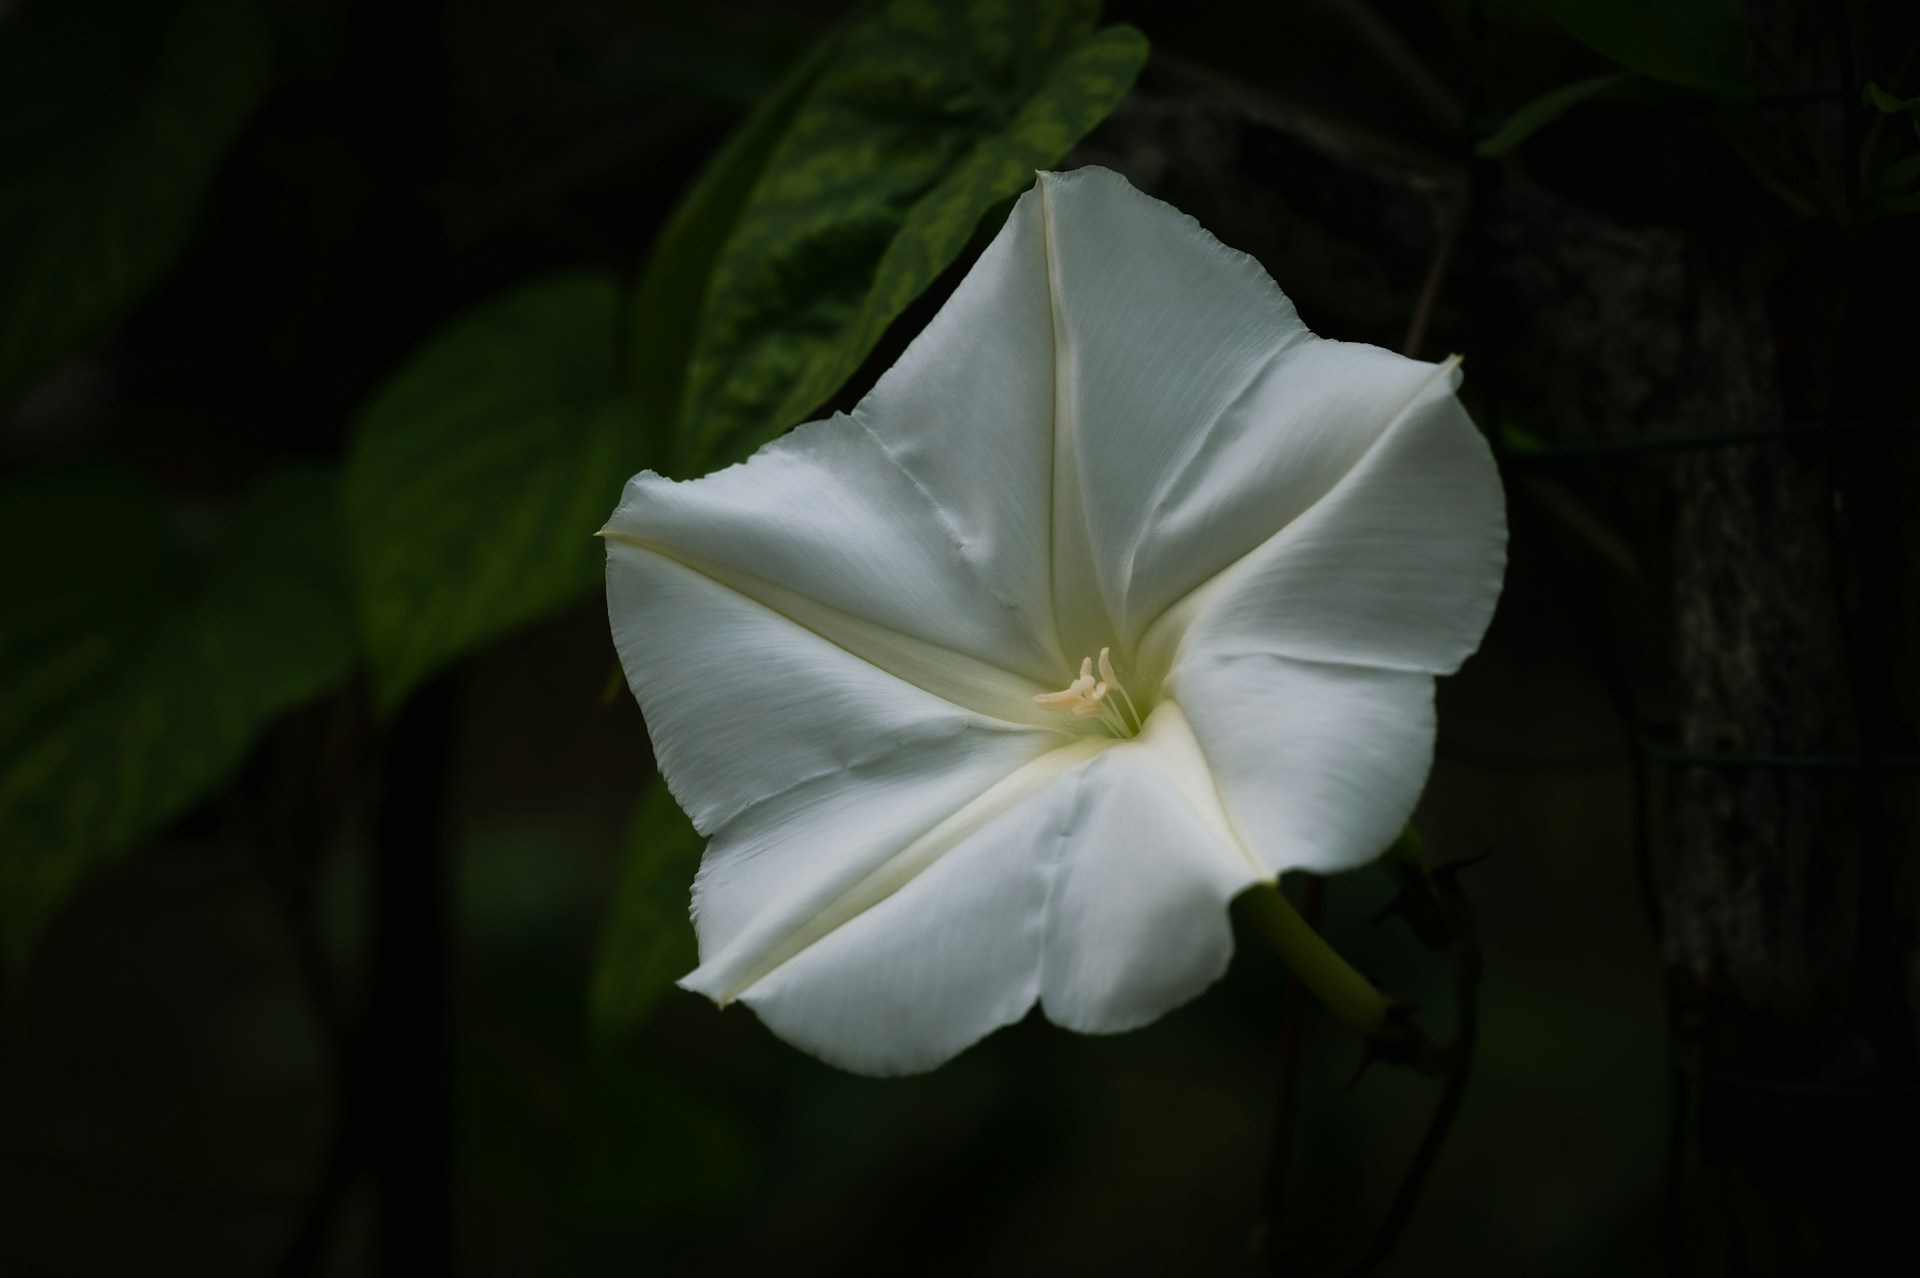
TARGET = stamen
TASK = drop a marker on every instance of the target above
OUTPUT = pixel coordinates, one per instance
(1086, 697)
(1106, 673)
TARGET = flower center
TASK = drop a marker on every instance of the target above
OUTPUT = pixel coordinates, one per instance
(1090, 698)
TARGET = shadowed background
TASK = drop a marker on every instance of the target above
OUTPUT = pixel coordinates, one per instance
(339, 906)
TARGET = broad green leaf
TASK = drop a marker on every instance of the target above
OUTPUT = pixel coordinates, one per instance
(129, 695)
(1696, 43)
(479, 474)
(115, 119)
(647, 942)
(926, 115)
(666, 308)
(1547, 108)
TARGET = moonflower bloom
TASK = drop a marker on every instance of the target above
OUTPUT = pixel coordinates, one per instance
(1121, 592)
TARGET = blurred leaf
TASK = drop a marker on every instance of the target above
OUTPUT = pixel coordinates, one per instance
(1409, 850)
(1875, 96)
(94, 590)
(1696, 43)
(1769, 166)
(129, 697)
(1547, 108)
(925, 116)
(112, 124)
(667, 307)
(1895, 206)
(647, 943)
(479, 474)
(1901, 173)
(1518, 438)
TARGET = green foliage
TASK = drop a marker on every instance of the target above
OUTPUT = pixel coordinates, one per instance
(1904, 171)
(1890, 180)
(479, 474)
(667, 307)
(647, 943)
(479, 471)
(925, 116)
(1695, 43)
(99, 196)
(584, 1128)
(128, 695)
(1547, 108)
(1889, 104)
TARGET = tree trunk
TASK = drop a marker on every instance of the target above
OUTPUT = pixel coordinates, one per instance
(1788, 876)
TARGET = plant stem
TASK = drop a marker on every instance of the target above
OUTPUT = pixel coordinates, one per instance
(1349, 996)
(1437, 266)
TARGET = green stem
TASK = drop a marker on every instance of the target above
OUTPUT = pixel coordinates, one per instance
(1349, 996)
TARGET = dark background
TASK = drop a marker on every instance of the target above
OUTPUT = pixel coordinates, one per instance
(337, 1015)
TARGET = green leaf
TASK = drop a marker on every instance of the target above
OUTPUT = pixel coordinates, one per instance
(647, 943)
(479, 474)
(1696, 43)
(666, 308)
(87, 592)
(1895, 206)
(1547, 108)
(115, 124)
(926, 115)
(1900, 173)
(1875, 96)
(129, 696)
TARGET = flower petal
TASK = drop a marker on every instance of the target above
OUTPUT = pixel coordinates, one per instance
(926, 510)
(1094, 879)
(1158, 330)
(1137, 922)
(1318, 766)
(747, 707)
(938, 944)
(967, 413)
(1206, 417)
(823, 526)
(1397, 566)
(1115, 432)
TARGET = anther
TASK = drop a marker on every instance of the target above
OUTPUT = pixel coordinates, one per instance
(1086, 697)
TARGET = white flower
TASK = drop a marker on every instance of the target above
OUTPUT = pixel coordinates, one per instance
(1120, 593)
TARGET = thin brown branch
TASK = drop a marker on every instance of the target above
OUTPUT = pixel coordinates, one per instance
(1437, 266)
